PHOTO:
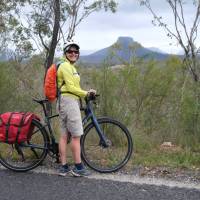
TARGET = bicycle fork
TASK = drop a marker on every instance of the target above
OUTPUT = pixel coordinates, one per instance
(104, 141)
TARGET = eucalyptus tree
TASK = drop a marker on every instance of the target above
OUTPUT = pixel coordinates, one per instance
(44, 24)
(10, 31)
(185, 34)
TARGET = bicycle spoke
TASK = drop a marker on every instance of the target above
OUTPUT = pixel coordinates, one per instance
(109, 158)
(27, 155)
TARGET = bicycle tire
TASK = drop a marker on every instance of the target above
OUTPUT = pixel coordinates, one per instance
(109, 159)
(33, 151)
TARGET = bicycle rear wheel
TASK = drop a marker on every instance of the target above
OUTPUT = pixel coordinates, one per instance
(111, 158)
(27, 155)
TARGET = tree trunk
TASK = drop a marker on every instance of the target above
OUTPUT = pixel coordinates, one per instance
(51, 52)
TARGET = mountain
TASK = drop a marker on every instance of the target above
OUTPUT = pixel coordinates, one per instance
(3, 56)
(6, 54)
(124, 49)
(86, 52)
(156, 50)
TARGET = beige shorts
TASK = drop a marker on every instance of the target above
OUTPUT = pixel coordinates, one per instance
(70, 116)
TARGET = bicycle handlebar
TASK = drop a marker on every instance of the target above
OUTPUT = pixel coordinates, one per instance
(91, 97)
(88, 99)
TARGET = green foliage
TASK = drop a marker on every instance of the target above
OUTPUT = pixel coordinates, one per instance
(182, 159)
(19, 83)
(110, 87)
(157, 101)
(44, 23)
(7, 86)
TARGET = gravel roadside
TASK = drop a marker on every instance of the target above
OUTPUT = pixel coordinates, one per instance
(136, 179)
(181, 178)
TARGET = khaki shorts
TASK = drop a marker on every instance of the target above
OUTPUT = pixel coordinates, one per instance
(70, 116)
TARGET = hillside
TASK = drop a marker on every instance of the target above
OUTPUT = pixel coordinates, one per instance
(124, 49)
(3, 56)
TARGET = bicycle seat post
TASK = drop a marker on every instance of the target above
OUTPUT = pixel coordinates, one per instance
(46, 106)
(47, 109)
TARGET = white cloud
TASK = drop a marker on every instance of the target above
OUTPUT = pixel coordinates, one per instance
(102, 29)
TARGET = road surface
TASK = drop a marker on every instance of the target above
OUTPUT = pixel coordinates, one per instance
(41, 186)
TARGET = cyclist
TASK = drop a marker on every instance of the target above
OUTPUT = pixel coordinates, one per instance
(69, 111)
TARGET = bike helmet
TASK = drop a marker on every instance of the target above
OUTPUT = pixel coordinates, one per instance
(69, 44)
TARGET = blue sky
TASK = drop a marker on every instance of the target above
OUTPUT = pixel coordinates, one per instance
(102, 29)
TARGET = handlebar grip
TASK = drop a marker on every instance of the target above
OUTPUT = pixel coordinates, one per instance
(91, 97)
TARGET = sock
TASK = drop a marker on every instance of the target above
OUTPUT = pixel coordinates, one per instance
(66, 166)
(79, 166)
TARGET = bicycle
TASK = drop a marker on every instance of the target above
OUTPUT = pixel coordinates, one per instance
(106, 145)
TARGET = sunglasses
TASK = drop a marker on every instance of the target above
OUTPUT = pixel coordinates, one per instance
(72, 51)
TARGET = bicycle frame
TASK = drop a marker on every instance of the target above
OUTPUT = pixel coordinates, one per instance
(89, 116)
(97, 136)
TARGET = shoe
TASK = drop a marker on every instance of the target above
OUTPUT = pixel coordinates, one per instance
(64, 171)
(80, 173)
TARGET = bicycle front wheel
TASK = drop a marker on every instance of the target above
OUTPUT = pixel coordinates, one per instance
(111, 158)
(27, 155)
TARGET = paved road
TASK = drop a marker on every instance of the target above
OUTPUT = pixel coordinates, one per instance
(34, 186)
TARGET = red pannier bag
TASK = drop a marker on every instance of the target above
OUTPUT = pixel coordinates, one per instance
(16, 127)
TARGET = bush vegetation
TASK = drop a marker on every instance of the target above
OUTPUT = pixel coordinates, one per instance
(158, 101)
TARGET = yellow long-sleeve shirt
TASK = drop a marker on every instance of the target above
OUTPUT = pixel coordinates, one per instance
(68, 73)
